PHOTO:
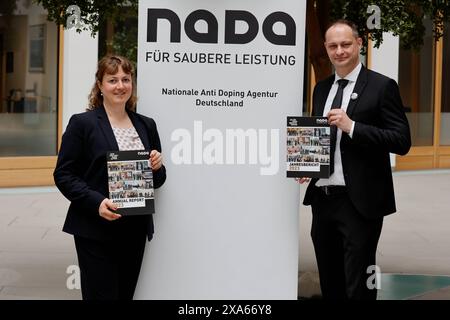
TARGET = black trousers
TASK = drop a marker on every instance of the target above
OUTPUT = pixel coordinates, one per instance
(345, 245)
(110, 270)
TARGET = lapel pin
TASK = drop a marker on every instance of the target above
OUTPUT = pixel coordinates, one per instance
(354, 96)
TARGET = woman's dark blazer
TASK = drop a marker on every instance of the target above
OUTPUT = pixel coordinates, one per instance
(81, 173)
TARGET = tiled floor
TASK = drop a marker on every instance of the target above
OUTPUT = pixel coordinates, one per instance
(414, 241)
(35, 253)
(414, 287)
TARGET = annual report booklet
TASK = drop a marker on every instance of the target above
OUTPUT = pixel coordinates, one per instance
(308, 147)
(130, 182)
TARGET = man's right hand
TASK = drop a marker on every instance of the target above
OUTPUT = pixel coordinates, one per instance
(105, 210)
(302, 180)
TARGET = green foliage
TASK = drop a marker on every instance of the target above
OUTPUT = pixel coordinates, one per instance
(92, 12)
(401, 17)
(404, 18)
(96, 13)
(124, 41)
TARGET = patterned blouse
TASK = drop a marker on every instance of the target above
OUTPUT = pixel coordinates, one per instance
(128, 139)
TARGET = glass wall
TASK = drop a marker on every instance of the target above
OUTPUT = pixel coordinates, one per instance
(28, 81)
(416, 81)
(445, 108)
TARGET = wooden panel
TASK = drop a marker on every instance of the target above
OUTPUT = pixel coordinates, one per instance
(60, 83)
(26, 177)
(420, 151)
(444, 162)
(312, 84)
(443, 157)
(414, 162)
(445, 151)
(437, 99)
(9, 163)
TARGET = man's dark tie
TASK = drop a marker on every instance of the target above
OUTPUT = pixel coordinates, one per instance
(337, 102)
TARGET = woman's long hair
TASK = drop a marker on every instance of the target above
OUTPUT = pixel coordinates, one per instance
(110, 65)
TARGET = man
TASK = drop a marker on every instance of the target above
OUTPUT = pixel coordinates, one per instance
(348, 208)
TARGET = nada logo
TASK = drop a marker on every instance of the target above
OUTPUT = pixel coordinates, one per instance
(143, 153)
(321, 121)
(231, 36)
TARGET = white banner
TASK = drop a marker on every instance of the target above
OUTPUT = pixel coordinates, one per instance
(220, 77)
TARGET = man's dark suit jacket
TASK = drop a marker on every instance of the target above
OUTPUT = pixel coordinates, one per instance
(81, 173)
(381, 127)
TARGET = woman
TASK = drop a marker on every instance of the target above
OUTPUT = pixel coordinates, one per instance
(109, 246)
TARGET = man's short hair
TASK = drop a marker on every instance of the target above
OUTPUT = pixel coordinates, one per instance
(348, 23)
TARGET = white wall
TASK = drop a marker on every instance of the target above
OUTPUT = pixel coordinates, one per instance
(385, 60)
(223, 229)
(80, 63)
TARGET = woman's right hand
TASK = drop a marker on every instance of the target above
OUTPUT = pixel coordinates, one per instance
(105, 210)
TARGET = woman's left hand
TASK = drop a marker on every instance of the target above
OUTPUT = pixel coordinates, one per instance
(302, 180)
(155, 160)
